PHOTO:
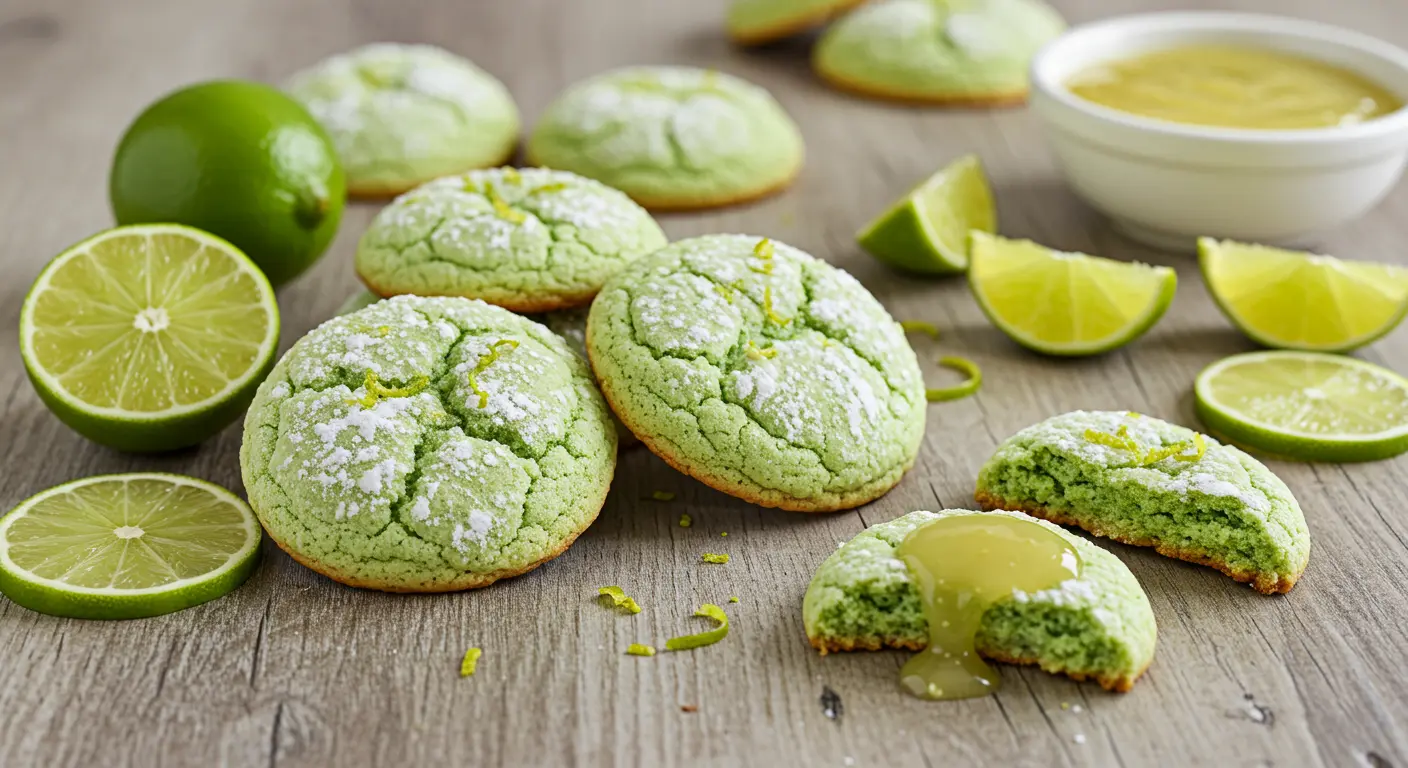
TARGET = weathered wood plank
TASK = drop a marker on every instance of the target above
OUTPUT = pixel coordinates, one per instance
(295, 670)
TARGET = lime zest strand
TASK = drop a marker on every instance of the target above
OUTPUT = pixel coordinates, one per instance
(920, 326)
(511, 175)
(714, 558)
(724, 291)
(470, 662)
(771, 313)
(755, 352)
(733, 599)
(690, 642)
(618, 598)
(640, 649)
(375, 391)
(486, 360)
(686, 520)
(1200, 449)
(764, 252)
(501, 207)
(962, 365)
(1119, 441)
(662, 495)
(1178, 451)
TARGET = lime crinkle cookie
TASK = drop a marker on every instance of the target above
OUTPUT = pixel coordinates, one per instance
(939, 51)
(761, 371)
(671, 137)
(533, 240)
(400, 115)
(1098, 626)
(427, 445)
(753, 22)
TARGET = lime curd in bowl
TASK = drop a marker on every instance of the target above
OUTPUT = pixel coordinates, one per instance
(1235, 87)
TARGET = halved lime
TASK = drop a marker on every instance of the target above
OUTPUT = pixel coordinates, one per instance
(1306, 405)
(1294, 300)
(126, 546)
(150, 337)
(927, 230)
(1065, 303)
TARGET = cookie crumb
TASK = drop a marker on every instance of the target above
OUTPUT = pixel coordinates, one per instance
(689, 708)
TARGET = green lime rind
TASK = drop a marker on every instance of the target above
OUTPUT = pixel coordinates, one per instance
(1209, 250)
(904, 237)
(56, 598)
(152, 432)
(1228, 424)
(1138, 326)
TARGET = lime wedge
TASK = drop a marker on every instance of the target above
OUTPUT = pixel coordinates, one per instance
(1306, 405)
(927, 230)
(149, 338)
(1065, 303)
(126, 546)
(1293, 300)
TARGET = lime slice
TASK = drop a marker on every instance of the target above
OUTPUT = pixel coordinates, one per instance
(126, 546)
(1065, 303)
(1306, 405)
(927, 230)
(1293, 300)
(149, 338)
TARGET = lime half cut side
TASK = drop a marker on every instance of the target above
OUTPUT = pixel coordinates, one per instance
(150, 337)
(126, 546)
(1306, 405)
(1292, 300)
(927, 230)
(1065, 303)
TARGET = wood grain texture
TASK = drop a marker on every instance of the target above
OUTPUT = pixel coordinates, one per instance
(293, 670)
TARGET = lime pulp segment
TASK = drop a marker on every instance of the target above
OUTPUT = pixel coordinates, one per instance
(1065, 303)
(146, 326)
(1292, 300)
(1305, 405)
(927, 230)
(126, 546)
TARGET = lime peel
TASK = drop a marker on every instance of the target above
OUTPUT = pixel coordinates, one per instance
(617, 597)
(470, 662)
(640, 649)
(962, 365)
(690, 642)
(486, 360)
(375, 391)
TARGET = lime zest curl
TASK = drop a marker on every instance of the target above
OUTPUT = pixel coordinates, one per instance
(920, 326)
(771, 313)
(715, 558)
(618, 598)
(470, 662)
(972, 384)
(754, 352)
(485, 360)
(375, 391)
(690, 642)
(501, 207)
(640, 649)
(556, 186)
(764, 251)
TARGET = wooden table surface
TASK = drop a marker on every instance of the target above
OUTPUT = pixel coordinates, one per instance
(294, 670)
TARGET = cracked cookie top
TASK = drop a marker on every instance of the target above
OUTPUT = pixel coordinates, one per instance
(939, 50)
(671, 137)
(427, 444)
(530, 240)
(403, 114)
(760, 370)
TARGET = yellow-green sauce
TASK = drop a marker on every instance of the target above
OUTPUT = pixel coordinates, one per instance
(1235, 87)
(962, 565)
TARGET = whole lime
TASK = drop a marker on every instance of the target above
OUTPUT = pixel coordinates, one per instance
(237, 159)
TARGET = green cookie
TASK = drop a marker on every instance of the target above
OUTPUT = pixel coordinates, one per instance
(427, 445)
(571, 325)
(530, 241)
(401, 115)
(752, 22)
(1099, 626)
(671, 137)
(941, 51)
(1142, 481)
(761, 371)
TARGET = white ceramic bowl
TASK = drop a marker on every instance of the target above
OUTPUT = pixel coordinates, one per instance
(1167, 183)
